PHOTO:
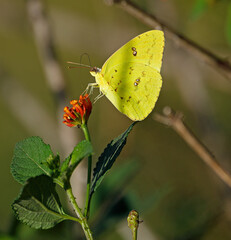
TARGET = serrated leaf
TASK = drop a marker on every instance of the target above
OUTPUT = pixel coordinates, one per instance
(38, 204)
(108, 157)
(30, 159)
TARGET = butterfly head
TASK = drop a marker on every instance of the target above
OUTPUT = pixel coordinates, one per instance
(94, 71)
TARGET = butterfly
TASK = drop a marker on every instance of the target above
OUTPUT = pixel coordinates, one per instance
(131, 78)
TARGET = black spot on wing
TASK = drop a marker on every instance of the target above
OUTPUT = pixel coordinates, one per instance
(134, 51)
(137, 81)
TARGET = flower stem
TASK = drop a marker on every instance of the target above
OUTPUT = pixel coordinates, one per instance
(87, 205)
(134, 235)
(83, 220)
(133, 223)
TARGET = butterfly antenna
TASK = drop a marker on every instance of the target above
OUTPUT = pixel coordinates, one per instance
(85, 54)
(79, 64)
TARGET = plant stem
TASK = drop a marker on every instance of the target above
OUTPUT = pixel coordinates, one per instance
(134, 234)
(83, 220)
(87, 205)
(133, 223)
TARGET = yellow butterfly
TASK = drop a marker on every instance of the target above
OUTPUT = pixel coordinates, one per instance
(131, 78)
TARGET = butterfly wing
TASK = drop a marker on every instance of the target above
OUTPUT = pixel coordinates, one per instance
(146, 48)
(131, 78)
(133, 89)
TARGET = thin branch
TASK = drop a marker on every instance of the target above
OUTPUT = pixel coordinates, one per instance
(221, 65)
(175, 121)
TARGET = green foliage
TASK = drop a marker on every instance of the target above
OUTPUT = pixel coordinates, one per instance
(30, 159)
(53, 162)
(35, 166)
(81, 150)
(38, 204)
(110, 188)
(108, 157)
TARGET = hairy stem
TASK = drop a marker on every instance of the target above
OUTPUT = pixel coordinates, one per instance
(83, 220)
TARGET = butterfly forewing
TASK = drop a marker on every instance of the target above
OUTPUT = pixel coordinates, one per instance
(146, 48)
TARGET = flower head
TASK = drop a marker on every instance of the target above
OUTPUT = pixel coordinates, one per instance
(133, 220)
(79, 113)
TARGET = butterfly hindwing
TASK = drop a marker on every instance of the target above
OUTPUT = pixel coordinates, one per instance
(133, 89)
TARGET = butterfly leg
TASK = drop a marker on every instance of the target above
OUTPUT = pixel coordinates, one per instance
(90, 88)
(98, 97)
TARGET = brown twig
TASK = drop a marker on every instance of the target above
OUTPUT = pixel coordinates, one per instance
(175, 121)
(223, 66)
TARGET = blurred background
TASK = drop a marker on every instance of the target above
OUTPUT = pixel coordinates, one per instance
(177, 195)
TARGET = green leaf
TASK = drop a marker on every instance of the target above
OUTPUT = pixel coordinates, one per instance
(81, 150)
(38, 204)
(113, 183)
(65, 164)
(108, 157)
(30, 159)
(53, 162)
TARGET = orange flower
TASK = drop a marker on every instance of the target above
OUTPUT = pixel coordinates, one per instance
(79, 113)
